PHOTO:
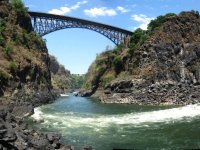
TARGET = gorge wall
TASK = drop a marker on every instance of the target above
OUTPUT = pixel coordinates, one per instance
(24, 59)
(159, 66)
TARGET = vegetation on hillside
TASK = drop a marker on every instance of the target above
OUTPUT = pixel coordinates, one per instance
(77, 81)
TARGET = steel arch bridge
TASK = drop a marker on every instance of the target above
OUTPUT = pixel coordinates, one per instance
(44, 23)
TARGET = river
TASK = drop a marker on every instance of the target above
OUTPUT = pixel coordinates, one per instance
(85, 121)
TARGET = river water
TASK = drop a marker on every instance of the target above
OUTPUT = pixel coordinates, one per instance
(85, 121)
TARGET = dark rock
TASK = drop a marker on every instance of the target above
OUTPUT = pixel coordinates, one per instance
(87, 93)
(39, 142)
(2, 131)
(23, 111)
(9, 136)
(52, 137)
(197, 50)
(21, 144)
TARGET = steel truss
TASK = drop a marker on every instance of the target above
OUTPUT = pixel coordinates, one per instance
(44, 23)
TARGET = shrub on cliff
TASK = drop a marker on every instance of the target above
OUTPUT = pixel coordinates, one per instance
(7, 51)
(195, 12)
(117, 63)
(139, 35)
(107, 78)
(132, 48)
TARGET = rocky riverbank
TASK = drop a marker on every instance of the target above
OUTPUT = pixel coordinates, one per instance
(14, 131)
(159, 93)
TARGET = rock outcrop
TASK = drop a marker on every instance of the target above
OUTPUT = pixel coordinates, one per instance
(162, 69)
(15, 134)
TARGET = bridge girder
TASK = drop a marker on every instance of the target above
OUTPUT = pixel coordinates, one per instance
(44, 23)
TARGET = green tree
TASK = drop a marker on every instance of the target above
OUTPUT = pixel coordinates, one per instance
(18, 5)
(77, 81)
(159, 21)
(138, 36)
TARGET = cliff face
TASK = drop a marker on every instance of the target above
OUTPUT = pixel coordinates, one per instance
(24, 60)
(164, 67)
(25, 79)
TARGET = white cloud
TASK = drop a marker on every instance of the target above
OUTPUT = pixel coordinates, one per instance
(143, 19)
(122, 9)
(61, 11)
(102, 11)
(65, 10)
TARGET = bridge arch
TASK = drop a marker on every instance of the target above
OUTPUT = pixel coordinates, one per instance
(44, 23)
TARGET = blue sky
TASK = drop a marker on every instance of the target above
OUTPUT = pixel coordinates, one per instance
(76, 49)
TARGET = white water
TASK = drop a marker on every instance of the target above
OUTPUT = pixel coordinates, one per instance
(70, 119)
(82, 121)
(37, 114)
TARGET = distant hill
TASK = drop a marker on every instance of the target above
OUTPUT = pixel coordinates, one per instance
(62, 79)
